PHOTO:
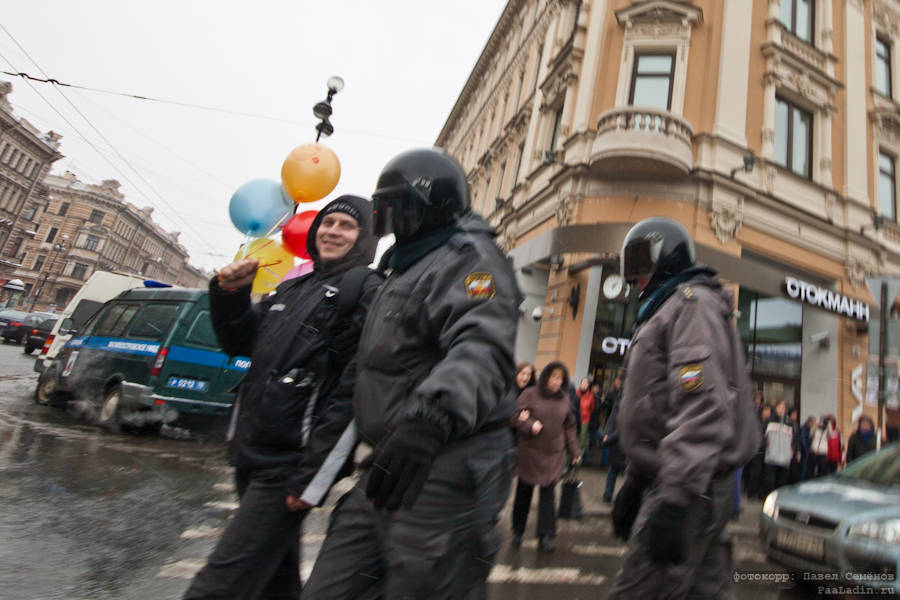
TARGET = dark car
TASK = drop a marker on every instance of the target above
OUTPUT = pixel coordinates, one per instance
(37, 336)
(17, 324)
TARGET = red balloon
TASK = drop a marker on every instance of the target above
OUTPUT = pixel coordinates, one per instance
(294, 231)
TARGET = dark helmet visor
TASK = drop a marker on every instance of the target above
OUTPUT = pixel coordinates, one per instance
(637, 260)
(398, 209)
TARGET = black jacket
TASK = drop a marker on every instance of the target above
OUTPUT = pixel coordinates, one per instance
(438, 344)
(298, 326)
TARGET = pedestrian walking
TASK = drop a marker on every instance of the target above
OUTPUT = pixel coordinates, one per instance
(524, 379)
(795, 469)
(779, 436)
(546, 430)
(685, 421)
(835, 443)
(806, 432)
(293, 435)
(756, 466)
(435, 365)
(863, 439)
(818, 451)
(615, 458)
(586, 402)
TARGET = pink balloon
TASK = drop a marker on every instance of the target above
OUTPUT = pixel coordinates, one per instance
(300, 270)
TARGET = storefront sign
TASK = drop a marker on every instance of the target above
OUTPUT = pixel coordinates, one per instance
(613, 345)
(826, 299)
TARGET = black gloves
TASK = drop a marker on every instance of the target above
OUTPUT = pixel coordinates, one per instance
(666, 530)
(627, 504)
(401, 465)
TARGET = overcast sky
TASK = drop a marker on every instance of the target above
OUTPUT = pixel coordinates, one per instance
(404, 63)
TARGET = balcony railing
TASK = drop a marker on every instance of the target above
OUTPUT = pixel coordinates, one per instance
(642, 142)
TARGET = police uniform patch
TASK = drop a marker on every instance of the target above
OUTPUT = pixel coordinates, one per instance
(691, 377)
(480, 286)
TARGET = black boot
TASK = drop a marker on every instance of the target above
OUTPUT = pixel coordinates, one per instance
(547, 544)
(516, 540)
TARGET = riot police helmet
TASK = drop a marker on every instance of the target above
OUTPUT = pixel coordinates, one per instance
(419, 191)
(654, 250)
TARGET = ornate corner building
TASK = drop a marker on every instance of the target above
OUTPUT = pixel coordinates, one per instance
(769, 128)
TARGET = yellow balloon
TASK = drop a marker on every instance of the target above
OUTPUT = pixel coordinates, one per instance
(310, 172)
(274, 262)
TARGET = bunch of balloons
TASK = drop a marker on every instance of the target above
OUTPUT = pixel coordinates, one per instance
(259, 207)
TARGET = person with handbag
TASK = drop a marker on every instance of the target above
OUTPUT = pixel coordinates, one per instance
(546, 428)
(294, 435)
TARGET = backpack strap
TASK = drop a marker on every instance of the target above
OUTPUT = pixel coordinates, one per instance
(350, 290)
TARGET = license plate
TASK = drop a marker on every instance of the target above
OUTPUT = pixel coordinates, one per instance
(800, 543)
(184, 383)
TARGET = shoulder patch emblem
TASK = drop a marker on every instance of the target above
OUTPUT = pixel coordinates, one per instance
(480, 286)
(687, 292)
(691, 377)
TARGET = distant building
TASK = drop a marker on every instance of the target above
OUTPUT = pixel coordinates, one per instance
(26, 156)
(193, 277)
(89, 227)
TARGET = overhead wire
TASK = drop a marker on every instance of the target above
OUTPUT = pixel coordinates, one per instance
(177, 216)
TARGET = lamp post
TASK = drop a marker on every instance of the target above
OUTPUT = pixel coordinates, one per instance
(57, 248)
(322, 110)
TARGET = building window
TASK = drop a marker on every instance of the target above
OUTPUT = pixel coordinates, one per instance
(51, 235)
(91, 242)
(62, 296)
(883, 67)
(63, 209)
(79, 270)
(887, 187)
(793, 138)
(554, 136)
(30, 212)
(651, 81)
(797, 17)
(96, 216)
(39, 262)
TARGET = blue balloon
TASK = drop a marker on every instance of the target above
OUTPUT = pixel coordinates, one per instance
(258, 205)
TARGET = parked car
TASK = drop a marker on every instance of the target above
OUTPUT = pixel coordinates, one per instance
(842, 529)
(17, 330)
(147, 357)
(37, 337)
(11, 320)
(100, 287)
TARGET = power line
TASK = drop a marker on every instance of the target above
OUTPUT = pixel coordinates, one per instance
(227, 111)
(187, 225)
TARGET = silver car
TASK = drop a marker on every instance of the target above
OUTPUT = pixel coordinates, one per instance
(842, 530)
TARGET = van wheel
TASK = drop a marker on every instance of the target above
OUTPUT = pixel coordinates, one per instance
(111, 410)
(45, 393)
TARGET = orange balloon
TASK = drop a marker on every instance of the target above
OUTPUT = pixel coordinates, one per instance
(310, 172)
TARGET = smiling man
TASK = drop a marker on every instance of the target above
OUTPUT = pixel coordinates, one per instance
(294, 435)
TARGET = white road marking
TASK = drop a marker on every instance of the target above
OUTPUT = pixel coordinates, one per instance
(507, 574)
(222, 505)
(597, 550)
(196, 533)
(183, 569)
(224, 487)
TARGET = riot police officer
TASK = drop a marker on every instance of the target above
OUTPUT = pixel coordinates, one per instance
(435, 362)
(686, 421)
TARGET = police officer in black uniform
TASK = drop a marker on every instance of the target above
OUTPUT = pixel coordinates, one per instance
(435, 363)
(686, 421)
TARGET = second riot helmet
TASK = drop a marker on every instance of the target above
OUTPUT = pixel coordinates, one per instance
(656, 249)
(419, 191)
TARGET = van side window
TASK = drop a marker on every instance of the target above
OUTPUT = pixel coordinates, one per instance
(154, 321)
(113, 321)
(201, 332)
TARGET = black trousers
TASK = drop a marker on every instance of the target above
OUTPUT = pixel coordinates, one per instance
(258, 555)
(546, 525)
(774, 477)
(443, 548)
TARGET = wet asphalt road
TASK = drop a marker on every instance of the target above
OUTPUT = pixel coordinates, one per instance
(89, 515)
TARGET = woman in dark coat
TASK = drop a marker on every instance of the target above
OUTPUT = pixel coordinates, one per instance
(546, 429)
(863, 441)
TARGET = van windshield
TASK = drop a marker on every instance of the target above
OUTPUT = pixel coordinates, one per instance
(154, 321)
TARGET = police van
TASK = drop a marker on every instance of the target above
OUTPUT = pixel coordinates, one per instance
(146, 358)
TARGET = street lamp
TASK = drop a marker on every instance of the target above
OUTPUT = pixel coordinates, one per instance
(322, 110)
(57, 248)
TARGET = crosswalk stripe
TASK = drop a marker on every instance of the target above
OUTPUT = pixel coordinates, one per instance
(507, 574)
(183, 569)
(196, 533)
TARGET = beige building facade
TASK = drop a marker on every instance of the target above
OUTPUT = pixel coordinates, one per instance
(769, 128)
(88, 227)
(26, 155)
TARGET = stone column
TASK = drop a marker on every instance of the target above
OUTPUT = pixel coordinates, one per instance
(770, 80)
(734, 69)
(856, 151)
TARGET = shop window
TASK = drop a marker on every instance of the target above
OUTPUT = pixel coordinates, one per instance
(887, 186)
(651, 81)
(883, 67)
(793, 138)
(96, 216)
(797, 17)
